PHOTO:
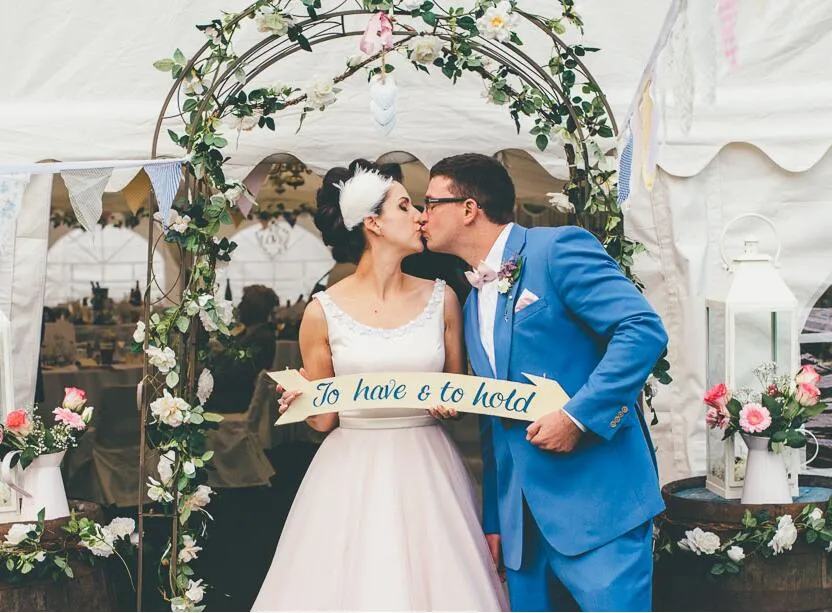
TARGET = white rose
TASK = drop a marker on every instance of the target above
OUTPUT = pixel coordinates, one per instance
(86, 414)
(200, 498)
(232, 194)
(503, 285)
(274, 23)
(163, 359)
(785, 536)
(207, 322)
(100, 545)
(204, 386)
(195, 591)
(121, 527)
(698, 541)
(320, 93)
(410, 5)
(213, 34)
(156, 492)
(138, 333)
(194, 85)
(425, 49)
(816, 514)
(178, 223)
(189, 468)
(245, 123)
(165, 466)
(560, 202)
(169, 410)
(225, 311)
(736, 554)
(355, 60)
(498, 22)
(189, 549)
(19, 533)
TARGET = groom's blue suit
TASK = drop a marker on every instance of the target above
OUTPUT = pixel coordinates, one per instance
(579, 520)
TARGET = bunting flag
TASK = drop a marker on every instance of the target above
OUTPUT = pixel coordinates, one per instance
(649, 136)
(625, 166)
(136, 192)
(253, 182)
(12, 187)
(165, 179)
(86, 188)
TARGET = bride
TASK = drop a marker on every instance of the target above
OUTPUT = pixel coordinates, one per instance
(385, 518)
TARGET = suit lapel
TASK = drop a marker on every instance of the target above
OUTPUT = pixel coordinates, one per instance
(476, 352)
(504, 317)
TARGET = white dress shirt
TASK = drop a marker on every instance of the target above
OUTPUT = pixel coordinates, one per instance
(488, 304)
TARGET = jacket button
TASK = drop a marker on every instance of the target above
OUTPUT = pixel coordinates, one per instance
(613, 424)
(624, 409)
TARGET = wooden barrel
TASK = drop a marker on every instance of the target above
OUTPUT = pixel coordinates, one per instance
(90, 590)
(796, 580)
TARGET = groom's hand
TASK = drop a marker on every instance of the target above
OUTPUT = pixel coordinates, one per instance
(495, 547)
(554, 432)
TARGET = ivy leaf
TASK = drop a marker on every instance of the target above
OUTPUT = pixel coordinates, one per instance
(172, 380)
(718, 569)
(163, 65)
(183, 323)
(542, 141)
(605, 131)
(429, 18)
(811, 536)
(212, 417)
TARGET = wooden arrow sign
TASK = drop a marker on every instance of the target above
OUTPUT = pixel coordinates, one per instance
(414, 390)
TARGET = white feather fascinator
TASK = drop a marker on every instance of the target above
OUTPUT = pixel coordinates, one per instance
(361, 194)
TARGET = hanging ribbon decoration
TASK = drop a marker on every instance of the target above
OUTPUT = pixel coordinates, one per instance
(378, 36)
(728, 26)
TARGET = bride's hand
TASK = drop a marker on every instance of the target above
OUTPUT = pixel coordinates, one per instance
(443, 412)
(287, 397)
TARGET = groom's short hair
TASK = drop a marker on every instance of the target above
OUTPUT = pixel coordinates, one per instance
(482, 178)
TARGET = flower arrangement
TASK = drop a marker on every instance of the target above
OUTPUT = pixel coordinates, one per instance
(25, 553)
(24, 430)
(509, 273)
(760, 535)
(779, 412)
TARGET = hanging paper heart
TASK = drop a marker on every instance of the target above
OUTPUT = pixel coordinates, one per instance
(383, 103)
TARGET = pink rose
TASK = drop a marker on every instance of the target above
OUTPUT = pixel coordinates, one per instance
(807, 394)
(74, 398)
(70, 418)
(807, 374)
(754, 417)
(718, 396)
(18, 422)
(717, 417)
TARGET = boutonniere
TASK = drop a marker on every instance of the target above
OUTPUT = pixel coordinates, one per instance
(509, 274)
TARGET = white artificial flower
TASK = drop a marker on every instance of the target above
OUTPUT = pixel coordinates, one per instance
(785, 536)
(194, 85)
(170, 410)
(233, 193)
(498, 22)
(189, 549)
(213, 34)
(19, 532)
(246, 123)
(134, 539)
(321, 93)
(165, 466)
(355, 60)
(200, 498)
(503, 285)
(162, 358)
(178, 223)
(121, 527)
(736, 554)
(274, 23)
(560, 202)
(816, 514)
(204, 386)
(157, 492)
(101, 544)
(40, 556)
(410, 5)
(207, 322)
(698, 541)
(138, 333)
(225, 311)
(195, 591)
(425, 49)
(189, 468)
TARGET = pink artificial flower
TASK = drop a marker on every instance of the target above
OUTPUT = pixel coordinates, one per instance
(772, 391)
(754, 417)
(74, 398)
(807, 374)
(718, 396)
(18, 422)
(70, 418)
(807, 394)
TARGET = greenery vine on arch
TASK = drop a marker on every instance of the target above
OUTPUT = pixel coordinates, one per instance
(212, 89)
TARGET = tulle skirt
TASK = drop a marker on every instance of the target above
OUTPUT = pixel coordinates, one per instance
(385, 519)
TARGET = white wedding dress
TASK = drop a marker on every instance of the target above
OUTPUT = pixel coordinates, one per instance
(385, 518)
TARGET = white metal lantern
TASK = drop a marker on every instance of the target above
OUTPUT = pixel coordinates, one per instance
(751, 320)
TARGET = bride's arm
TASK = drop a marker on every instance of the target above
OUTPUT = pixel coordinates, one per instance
(454, 344)
(317, 358)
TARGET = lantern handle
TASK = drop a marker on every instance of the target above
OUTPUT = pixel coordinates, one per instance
(722, 254)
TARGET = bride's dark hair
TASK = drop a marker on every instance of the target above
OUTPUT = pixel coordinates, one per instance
(347, 245)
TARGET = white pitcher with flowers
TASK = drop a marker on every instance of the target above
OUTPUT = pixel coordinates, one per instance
(768, 422)
(32, 453)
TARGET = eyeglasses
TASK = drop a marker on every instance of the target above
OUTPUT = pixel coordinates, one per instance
(432, 203)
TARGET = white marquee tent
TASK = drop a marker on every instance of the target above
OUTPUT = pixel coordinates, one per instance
(82, 87)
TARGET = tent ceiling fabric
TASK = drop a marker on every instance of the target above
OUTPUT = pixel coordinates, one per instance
(102, 100)
(778, 97)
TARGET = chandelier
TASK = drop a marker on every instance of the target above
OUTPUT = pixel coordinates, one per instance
(288, 173)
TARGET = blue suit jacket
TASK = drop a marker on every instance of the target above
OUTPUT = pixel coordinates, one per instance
(593, 332)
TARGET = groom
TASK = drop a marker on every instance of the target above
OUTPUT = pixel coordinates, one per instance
(569, 499)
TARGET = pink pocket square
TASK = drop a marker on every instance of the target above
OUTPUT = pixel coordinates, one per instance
(526, 298)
